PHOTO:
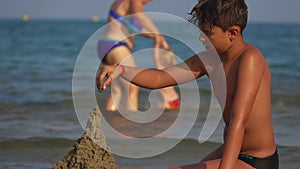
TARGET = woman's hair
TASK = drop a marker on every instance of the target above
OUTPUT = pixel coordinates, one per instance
(221, 13)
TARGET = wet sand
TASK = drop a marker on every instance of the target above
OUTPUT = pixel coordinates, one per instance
(90, 151)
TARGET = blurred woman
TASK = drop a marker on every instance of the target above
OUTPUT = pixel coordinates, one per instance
(126, 19)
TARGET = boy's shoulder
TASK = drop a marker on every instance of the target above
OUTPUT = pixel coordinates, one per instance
(251, 54)
(252, 57)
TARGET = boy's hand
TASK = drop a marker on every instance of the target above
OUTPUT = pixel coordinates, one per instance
(105, 75)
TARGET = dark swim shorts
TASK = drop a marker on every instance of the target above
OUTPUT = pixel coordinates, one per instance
(271, 162)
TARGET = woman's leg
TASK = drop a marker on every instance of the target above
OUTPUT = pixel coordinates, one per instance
(125, 92)
(114, 97)
(129, 96)
(164, 58)
(170, 97)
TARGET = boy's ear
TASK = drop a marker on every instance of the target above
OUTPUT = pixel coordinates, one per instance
(233, 32)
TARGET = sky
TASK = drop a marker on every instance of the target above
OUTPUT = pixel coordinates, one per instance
(259, 10)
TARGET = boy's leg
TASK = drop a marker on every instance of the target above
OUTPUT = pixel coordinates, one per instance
(212, 161)
(213, 164)
(192, 166)
(216, 154)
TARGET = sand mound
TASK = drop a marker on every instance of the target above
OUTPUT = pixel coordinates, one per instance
(90, 151)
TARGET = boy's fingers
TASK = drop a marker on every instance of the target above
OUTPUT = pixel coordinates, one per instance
(100, 78)
(106, 83)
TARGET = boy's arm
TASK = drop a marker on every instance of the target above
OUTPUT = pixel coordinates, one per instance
(186, 71)
(250, 72)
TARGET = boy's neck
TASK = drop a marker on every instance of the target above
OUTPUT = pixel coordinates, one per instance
(234, 51)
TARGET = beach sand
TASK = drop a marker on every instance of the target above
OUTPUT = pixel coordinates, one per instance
(90, 151)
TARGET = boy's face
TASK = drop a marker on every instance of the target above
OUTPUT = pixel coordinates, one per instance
(218, 38)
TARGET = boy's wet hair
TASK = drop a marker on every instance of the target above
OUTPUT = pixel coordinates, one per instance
(221, 13)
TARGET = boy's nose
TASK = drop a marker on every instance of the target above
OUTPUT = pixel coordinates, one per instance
(202, 37)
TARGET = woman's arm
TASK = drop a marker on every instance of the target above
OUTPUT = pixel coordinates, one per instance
(149, 29)
(137, 9)
(163, 58)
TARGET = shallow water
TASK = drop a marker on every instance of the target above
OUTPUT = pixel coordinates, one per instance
(37, 118)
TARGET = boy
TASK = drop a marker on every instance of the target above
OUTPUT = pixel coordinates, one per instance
(248, 134)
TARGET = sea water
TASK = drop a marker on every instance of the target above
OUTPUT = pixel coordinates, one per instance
(38, 122)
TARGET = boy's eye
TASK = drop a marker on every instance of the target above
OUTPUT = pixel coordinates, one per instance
(207, 32)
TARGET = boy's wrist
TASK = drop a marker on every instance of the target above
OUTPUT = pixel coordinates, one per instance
(122, 69)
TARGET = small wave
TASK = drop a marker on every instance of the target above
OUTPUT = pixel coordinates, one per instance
(35, 144)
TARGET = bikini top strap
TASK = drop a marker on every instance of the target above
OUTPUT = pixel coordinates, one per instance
(118, 4)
